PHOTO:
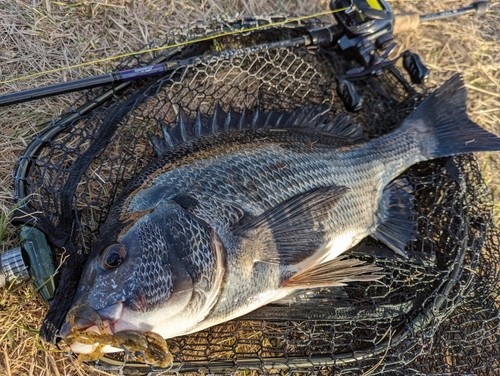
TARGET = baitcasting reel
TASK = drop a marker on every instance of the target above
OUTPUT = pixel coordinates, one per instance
(369, 39)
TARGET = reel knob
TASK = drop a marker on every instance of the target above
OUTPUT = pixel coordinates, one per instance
(349, 95)
(418, 72)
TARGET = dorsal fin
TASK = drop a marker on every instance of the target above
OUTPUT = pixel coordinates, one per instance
(342, 125)
(179, 132)
(242, 119)
(309, 117)
(217, 120)
(186, 128)
(199, 129)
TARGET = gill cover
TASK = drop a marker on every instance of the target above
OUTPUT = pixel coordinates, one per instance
(195, 248)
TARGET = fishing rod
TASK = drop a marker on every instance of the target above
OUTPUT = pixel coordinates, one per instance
(314, 37)
(364, 11)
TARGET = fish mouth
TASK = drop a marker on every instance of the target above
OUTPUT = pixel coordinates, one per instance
(88, 320)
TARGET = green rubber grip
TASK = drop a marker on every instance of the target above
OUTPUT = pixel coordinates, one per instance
(42, 268)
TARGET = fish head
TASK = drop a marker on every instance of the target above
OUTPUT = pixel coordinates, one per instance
(155, 271)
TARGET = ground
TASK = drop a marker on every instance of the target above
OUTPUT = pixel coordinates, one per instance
(42, 35)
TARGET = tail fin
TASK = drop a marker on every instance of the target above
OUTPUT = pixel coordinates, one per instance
(449, 129)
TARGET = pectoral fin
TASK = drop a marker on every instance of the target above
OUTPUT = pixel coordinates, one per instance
(293, 230)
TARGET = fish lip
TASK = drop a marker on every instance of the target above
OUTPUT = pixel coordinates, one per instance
(109, 315)
(112, 313)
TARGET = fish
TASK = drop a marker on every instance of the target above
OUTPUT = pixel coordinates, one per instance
(244, 209)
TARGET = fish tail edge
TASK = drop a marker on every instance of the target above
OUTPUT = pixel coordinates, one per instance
(448, 130)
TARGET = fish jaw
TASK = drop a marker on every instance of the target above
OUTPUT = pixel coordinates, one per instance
(100, 322)
(81, 320)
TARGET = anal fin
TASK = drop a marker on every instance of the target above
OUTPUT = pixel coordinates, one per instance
(336, 272)
(396, 228)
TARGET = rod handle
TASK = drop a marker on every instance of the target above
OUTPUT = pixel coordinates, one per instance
(481, 7)
(405, 22)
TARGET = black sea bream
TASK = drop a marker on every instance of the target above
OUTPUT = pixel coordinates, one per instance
(248, 209)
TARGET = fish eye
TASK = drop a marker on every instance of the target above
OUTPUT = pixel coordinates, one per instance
(113, 256)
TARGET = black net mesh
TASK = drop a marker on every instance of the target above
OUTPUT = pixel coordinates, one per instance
(435, 313)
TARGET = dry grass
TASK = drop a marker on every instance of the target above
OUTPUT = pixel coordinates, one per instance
(40, 35)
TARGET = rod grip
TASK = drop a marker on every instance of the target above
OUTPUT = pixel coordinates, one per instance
(481, 7)
(405, 22)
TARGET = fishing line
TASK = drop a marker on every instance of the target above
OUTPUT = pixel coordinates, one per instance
(178, 44)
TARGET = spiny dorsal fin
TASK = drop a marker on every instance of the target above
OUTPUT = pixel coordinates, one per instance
(218, 119)
(201, 127)
(159, 146)
(180, 132)
(241, 120)
(289, 232)
(312, 118)
(255, 119)
(274, 117)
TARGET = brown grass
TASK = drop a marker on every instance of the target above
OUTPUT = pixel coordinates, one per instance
(40, 35)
